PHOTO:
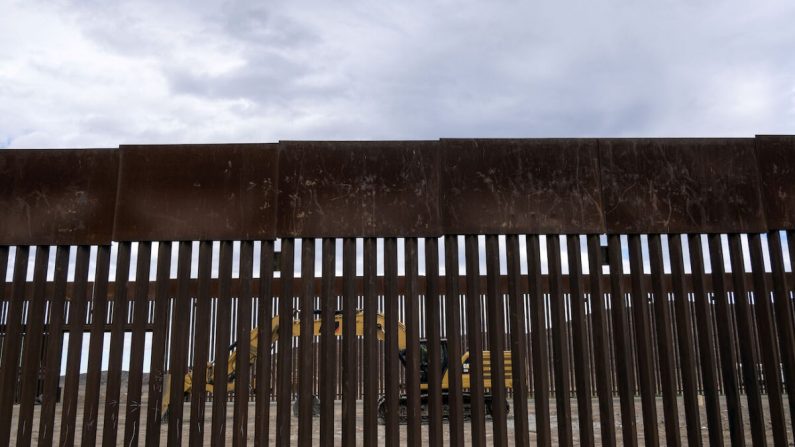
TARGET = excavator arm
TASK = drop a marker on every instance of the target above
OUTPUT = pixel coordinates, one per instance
(187, 383)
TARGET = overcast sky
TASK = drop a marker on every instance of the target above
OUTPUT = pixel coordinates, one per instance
(100, 74)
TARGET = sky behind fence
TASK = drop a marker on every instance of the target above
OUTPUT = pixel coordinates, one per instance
(91, 74)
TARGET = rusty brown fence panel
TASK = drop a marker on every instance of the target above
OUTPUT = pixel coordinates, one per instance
(566, 284)
(461, 292)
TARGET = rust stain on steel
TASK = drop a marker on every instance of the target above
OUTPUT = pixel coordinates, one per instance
(776, 158)
(396, 188)
(680, 185)
(57, 196)
(521, 186)
(197, 192)
(342, 189)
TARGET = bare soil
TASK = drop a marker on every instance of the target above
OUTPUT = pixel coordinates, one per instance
(403, 430)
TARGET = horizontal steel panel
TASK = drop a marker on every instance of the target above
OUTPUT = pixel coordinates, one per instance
(396, 188)
(378, 188)
(197, 192)
(776, 158)
(57, 196)
(680, 186)
(521, 186)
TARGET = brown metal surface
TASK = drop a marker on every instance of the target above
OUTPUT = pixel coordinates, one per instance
(680, 186)
(99, 312)
(358, 189)
(215, 192)
(413, 393)
(776, 158)
(706, 341)
(116, 351)
(710, 334)
(495, 312)
(519, 354)
(76, 315)
(452, 305)
(398, 188)
(222, 323)
(177, 365)
(767, 342)
(686, 339)
(328, 344)
(369, 356)
(560, 342)
(475, 331)
(242, 368)
(391, 359)
(747, 343)
(349, 359)
(338, 283)
(198, 394)
(60, 196)
(604, 385)
(539, 349)
(621, 336)
(32, 352)
(132, 424)
(784, 317)
(5, 254)
(284, 372)
(665, 335)
(520, 186)
(726, 337)
(159, 342)
(580, 346)
(305, 379)
(644, 349)
(263, 365)
(432, 331)
(54, 351)
(12, 342)
(788, 306)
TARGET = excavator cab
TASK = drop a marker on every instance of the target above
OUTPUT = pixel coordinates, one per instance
(425, 359)
(444, 369)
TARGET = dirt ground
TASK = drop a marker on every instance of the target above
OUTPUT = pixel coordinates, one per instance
(403, 433)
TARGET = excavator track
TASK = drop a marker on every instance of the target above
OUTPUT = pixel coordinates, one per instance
(403, 410)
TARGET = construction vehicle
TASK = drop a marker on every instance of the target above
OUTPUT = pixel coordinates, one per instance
(380, 323)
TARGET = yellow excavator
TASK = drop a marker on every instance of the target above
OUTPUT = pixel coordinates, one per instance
(380, 323)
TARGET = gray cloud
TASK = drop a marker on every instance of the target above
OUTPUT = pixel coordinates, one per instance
(102, 73)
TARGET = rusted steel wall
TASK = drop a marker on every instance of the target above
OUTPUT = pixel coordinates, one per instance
(400, 189)
(614, 270)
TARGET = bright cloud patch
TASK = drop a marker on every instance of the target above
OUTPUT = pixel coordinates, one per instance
(99, 74)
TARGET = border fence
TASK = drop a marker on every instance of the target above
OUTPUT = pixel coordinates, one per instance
(642, 290)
